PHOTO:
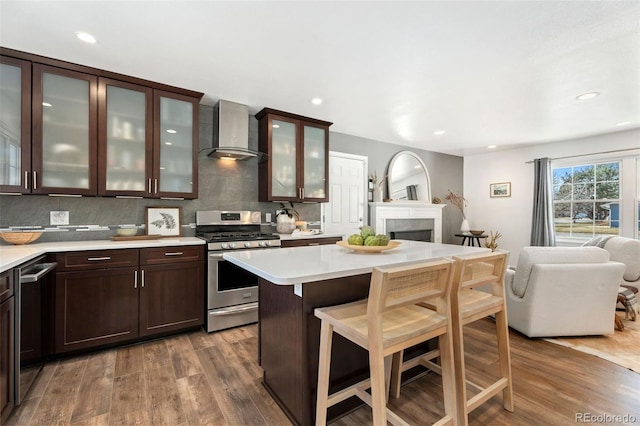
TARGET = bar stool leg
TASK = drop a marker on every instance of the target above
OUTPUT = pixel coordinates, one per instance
(324, 363)
(505, 358)
(378, 395)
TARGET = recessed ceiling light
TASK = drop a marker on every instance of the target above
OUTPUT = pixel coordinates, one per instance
(316, 101)
(171, 131)
(86, 37)
(588, 95)
(623, 123)
(439, 132)
(46, 104)
(491, 146)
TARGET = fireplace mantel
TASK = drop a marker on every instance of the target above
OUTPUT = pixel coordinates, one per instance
(381, 212)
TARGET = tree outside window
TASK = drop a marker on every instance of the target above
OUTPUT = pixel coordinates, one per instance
(586, 200)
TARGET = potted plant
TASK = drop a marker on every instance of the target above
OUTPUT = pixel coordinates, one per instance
(286, 218)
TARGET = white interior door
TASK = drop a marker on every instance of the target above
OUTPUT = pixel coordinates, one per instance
(346, 210)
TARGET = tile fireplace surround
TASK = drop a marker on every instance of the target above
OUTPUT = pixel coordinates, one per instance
(380, 213)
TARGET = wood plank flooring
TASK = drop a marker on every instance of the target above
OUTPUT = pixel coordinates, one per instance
(199, 378)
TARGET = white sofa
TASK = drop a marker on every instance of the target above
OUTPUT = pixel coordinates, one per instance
(563, 291)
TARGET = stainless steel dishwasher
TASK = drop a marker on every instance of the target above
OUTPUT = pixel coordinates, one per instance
(30, 354)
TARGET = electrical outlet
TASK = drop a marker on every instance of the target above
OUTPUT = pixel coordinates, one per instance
(268, 217)
(59, 217)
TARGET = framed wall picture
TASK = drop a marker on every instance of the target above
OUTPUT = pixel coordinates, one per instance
(502, 189)
(163, 221)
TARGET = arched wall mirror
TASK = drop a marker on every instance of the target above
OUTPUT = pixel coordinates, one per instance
(408, 178)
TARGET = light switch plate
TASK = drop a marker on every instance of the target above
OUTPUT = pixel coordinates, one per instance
(59, 217)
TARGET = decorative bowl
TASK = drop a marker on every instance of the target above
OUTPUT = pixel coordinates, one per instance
(369, 249)
(127, 232)
(20, 237)
(476, 232)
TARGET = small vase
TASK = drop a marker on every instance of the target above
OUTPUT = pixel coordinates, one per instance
(377, 195)
(285, 224)
(464, 226)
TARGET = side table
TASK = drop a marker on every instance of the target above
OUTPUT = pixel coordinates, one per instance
(471, 239)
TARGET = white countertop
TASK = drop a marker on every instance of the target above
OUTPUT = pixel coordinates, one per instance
(299, 265)
(11, 256)
(302, 237)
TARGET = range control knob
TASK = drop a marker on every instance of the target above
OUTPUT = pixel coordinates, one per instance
(262, 244)
(232, 245)
(268, 243)
(247, 244)
(224, 246)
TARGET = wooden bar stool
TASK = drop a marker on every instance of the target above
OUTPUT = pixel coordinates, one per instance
(388, 322)
(469, 305)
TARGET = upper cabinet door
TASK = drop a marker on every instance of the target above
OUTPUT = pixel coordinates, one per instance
(125, 130)
(15, 125)
(175, 166)
(284, 153)
(297, 148)
(64, 131)
(315, 163)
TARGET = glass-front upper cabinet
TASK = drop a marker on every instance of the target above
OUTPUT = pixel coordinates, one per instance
(284, 183)
(316, 141)
(64, 150)
(125, 139)
(175, 166)
(15, 125)
(296, 168)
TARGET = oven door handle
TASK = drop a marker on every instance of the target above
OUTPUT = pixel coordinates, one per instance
(235, 310)
(215, 256)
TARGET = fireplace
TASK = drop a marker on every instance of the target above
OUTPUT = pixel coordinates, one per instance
(413, 235)
(382, 216)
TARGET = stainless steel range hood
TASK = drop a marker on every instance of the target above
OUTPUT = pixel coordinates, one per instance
(231, 131)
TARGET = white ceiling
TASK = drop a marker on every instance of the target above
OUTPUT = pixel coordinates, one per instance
(499, 72)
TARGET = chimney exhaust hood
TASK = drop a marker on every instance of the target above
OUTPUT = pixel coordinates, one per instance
(231, 132)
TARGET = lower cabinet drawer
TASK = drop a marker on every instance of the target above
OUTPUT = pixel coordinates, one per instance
(163, 255)
(98, 259)
(309, 242)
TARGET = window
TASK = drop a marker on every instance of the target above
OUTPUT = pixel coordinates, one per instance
(637, 203)
(586, 200)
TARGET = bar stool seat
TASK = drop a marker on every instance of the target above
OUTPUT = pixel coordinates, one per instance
(388, 322)
(469, 305)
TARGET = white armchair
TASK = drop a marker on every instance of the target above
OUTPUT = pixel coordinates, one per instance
(563, 291)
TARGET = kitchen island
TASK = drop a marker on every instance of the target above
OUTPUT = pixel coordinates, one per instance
(295, 281)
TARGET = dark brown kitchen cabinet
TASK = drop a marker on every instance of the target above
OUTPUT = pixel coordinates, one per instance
(15, 125)
(7, 347)
(105, 297)
(125, 139)
(172, 289)
(76, 130)
(64, 155)
(297, 147)
(95, 308)
(302, 242)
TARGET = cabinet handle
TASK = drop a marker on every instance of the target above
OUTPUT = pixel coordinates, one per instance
(135, 282)
(155, 183)
(314, 244)
(35, 180)
(26, 179)
(149, 185)
(299, 192)
(142, 284)
(99, 258)
(302, 193)
(174, 253)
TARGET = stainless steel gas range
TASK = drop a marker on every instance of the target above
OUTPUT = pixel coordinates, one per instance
(232, 292)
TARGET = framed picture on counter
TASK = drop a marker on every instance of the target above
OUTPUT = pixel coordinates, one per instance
(502, 189)
(163, 221)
